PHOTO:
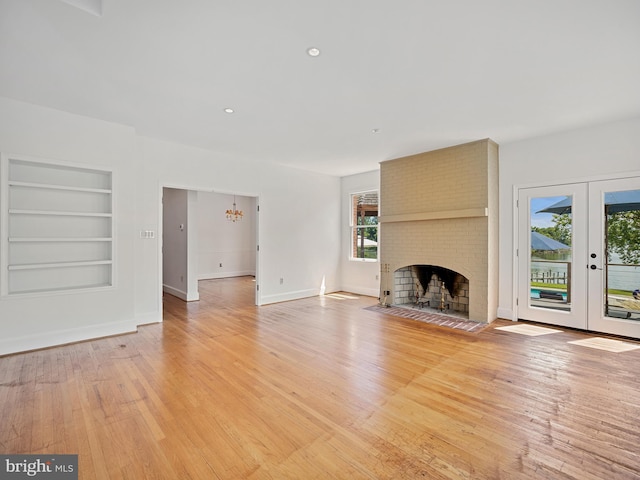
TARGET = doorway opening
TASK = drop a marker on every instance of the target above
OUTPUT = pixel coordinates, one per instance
(199, 242)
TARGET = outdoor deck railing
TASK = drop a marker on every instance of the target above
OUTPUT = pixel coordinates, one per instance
(554, 277)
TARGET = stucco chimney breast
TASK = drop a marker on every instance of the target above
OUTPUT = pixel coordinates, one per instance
(440, 208)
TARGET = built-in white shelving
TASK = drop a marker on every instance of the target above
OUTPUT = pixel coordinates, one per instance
(69, 214)
(58, 187)
(37, 266)
(59, 225)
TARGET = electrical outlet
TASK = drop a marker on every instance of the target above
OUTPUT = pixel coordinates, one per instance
(181, 278)
(281, 280)
(221, 265)
(377, 277)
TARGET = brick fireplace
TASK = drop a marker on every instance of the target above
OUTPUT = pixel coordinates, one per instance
(432, 287)
(439, 211)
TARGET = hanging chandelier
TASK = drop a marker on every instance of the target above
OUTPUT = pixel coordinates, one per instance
(234, 215)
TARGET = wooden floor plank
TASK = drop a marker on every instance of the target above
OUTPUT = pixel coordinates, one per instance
(323, 388)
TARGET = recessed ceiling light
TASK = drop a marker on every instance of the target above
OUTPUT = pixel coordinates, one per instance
(375, 130)
(313, 51)
(228, 110)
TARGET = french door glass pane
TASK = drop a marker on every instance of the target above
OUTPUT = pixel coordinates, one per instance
(622, 253)
(550, 255)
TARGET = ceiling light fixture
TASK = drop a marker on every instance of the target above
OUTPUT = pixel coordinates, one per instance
(375, 130)
(228, 110)
(313, 51)
(233, 214)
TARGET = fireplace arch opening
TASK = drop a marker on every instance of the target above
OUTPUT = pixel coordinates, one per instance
(432, 287)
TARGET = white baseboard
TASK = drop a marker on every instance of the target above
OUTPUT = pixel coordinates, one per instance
(212, 275)
(182, 295)
(148, 318)
(62, 337)
(288, 296)
(369, 292)
(285, 297)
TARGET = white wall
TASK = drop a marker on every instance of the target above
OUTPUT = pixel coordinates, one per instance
(193, 254)
(299, 226)
(174, 241)
(225, 249)
(35, 321)
(609, 150)
(179, 240)
(357, 276)
(299, 223)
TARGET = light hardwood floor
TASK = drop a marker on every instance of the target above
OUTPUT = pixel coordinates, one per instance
(321, 388)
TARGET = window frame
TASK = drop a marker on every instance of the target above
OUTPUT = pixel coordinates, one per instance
(354, 227)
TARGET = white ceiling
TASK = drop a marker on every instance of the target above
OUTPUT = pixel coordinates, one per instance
(426, 73)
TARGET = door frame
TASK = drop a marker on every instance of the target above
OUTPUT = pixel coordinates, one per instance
(161, 186)
(515, 221)
(596, 303)
(577, 315)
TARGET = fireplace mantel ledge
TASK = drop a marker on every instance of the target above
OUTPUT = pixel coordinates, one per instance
(442, 215)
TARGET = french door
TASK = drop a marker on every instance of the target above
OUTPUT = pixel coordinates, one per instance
(579, 255)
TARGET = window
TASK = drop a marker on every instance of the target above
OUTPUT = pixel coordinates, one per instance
(364, 226)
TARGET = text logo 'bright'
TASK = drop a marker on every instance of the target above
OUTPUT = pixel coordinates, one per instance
(49, 467)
